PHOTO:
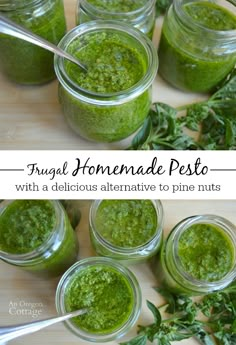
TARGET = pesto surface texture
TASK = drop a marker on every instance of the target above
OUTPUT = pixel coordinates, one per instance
(107, 295)
(205, 252)
(193, 68)
(112, 65)
(118, 5)
(25, 225)
(126, 223)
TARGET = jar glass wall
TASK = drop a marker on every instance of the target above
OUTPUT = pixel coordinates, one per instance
(113, 308)
(127, 230)
(199, 255)
(140, 14)
(23, 62)
(112, 100)
(36, 235)
(197, 48)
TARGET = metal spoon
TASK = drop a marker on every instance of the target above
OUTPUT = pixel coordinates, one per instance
(8, 27)
(10, 332)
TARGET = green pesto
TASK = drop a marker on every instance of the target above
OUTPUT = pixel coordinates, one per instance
(205, 252)
(126, 223)
(118, 5)
(107, 295)
(23, 62)
(25, 225)
(184, 69)
(113, 67)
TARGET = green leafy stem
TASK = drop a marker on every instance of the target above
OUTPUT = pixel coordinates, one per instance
(213, 120)
(184, 319)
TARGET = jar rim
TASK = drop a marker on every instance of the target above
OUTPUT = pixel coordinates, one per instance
(107, 98)
(34, 254)
(97, 12)
(7, 6)
(121, 250)
(195, 26)
(225, 226)
(130, 279)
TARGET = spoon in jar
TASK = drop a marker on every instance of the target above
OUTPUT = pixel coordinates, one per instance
(8, 27)
(11, 332)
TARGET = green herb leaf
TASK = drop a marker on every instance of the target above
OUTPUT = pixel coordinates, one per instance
(155, 312)
(139, 340)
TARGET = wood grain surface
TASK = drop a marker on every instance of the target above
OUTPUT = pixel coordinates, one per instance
(31, 118)
(23, 288)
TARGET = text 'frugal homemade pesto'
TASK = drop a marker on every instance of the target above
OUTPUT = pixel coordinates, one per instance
(140, 13)
(199, 255)
(107, 290)
(128, 230)
(111, 100)
(23, 62)
(36, 235)
(198, 44)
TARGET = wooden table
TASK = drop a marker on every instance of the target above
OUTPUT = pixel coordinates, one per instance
(21, 288)
(31, 118)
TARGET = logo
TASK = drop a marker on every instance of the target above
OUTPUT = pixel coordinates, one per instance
(19, 308)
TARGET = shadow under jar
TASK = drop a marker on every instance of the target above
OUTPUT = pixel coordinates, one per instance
(111, 100)
(36, 235)
(127, 230)
(199, 255)
(110, 293)
(23, 62)
(197, 48)
(139, 13)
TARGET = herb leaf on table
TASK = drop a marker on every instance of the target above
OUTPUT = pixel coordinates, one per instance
(213, 119)
(184, 319)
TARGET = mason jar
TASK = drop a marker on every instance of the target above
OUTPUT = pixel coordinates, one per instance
(126, 230)
(140, 14)
(111, 100)
(23, 62)
(197, 48)
(107, 290)
(36, 235)
(199, 255)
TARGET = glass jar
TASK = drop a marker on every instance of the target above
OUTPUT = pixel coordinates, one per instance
(197, 48)
(106, 116)
(198, 263)
(49, 256)
(127, 218)
(140, 14)
(23, 62)
(114, 290)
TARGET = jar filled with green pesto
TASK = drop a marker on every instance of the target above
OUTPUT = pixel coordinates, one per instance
(139, 13)
(108, 291)
(111, 100)
(197, 48)
(36, 235)
(23, 62)
(199, 255)
(127, 230)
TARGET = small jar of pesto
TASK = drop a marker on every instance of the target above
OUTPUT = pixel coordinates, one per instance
(197, 48)
(127, 230)
(139, 13)
(36, 235)
(108, 291)
(199, 255)
(112, 99)
(23, 62)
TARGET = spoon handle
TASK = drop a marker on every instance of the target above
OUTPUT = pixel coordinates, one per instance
(10, 332)
(8, 27)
